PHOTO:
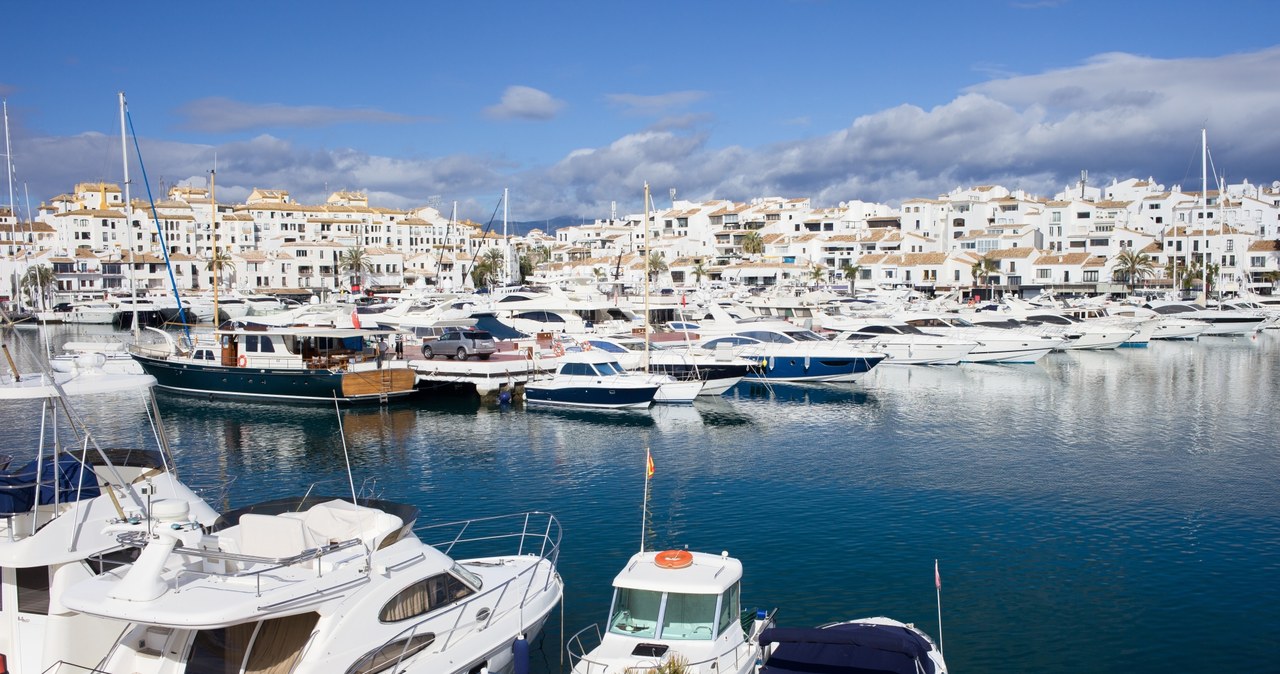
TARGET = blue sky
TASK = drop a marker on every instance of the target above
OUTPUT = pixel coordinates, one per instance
(574, 105)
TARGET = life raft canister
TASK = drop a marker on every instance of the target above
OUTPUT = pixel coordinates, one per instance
(673, 559)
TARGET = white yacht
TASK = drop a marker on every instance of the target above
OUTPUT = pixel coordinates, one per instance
(593, 379)
(54, 503)
(317, 585)
(994, 345)
(554, 310)
(1218, 322)
(673, 609)
(719, 372)
(904, 344)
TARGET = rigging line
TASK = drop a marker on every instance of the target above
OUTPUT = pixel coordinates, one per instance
(164, 248)
(482, 233)
(345, 455)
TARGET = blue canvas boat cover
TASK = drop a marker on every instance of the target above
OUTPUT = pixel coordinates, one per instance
(846, 648)
(73, 480)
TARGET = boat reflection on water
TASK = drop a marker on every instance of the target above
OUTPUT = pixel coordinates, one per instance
(812, 394)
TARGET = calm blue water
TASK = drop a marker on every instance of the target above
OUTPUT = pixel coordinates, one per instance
(1108, 512)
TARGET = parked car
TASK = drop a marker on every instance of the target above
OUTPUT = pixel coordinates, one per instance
(461, 344)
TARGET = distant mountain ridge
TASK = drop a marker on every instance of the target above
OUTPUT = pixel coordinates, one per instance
(522, 228)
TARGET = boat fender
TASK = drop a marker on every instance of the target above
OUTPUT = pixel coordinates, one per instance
(520, 651)
(243, 361)
(673, 559)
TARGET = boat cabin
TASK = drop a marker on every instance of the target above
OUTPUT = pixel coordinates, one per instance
(696, 597)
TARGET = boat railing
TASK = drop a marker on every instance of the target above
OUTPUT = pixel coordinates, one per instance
(580, 645)
(538, 536)
(237, 565)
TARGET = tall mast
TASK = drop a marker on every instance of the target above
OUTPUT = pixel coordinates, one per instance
(217, 267)
(128, 218)
(1204, 220)
(506, 243)
(8, 162)
(647, 255)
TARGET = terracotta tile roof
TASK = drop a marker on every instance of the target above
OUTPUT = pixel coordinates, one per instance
(1265, 246)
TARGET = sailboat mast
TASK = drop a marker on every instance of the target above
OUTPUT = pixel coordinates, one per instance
(217, 267)
(1204, 220)
(506, 243)
(647, 256)
(128, 219)
(8, 162)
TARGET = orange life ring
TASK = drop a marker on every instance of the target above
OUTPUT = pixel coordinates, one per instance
(673, 559)
(586, 346)
(558, 349)
(243, 361)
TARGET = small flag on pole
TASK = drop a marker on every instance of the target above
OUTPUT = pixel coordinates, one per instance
(937, 579)
(648, 468)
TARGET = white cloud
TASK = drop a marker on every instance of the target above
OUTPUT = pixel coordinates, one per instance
(223, 115)
(519, 102)
(657, 104)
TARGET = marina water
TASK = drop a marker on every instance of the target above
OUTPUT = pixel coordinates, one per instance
(1113, 511)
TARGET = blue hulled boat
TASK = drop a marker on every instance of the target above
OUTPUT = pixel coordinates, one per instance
(293, 364)
(592, 379)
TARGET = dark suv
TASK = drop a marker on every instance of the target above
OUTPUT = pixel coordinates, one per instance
(463, 344)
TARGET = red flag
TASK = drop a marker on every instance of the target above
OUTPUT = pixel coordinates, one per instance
(648, 469)
(937, 579)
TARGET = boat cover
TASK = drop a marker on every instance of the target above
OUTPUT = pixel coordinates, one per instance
(847, 648)
(74, 481)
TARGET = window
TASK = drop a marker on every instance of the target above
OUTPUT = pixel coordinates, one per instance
(1082, 215)
(33, 589)
(424, 596)
(1044, 274)
(1091, 277)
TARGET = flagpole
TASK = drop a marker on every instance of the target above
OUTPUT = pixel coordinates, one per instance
(937, 584)
(644, 509)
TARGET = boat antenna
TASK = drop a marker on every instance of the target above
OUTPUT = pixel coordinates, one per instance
(346, 456)
(937, 586)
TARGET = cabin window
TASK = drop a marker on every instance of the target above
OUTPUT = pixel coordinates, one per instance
(33, 590)
(390, 655)
(425, 596)
(266, 346)
(277, 644)
(729, 610)
(689, 616)
(635, 613)
(250, 342)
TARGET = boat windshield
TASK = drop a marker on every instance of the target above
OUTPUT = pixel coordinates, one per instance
(608, 368)
(658, 615)
(806, 336)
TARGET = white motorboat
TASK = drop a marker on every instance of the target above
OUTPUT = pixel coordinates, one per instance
(904, 344)
(593, 379)
(719, 372)
(994, 345)
(879, 645)
(53, 508)
(317, 585)
(82, 374)
(1218, 322)
(670, 609)
(111, 357)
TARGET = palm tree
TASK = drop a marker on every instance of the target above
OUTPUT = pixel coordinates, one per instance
(699, 270)
(983, 269)
(752, 243)
(355, 262)
(541, 254)
(657, 266)
(851, 272)
(1132, 266)
(219, 262)
(816, 272)
(38, 281)
(496, 260)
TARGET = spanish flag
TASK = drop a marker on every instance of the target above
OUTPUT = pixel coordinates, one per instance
(648, 469)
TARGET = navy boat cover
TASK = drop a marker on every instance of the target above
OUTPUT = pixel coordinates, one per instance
(73, 481)
(846, 648)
